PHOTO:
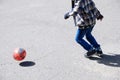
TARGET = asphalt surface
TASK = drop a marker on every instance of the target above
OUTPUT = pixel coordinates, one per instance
(38, 26)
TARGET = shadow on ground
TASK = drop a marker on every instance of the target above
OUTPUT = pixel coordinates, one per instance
(27, 63)
(109, 60)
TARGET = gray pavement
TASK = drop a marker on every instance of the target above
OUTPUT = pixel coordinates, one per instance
(38, 27)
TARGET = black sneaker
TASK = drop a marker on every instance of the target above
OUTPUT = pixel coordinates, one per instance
(99, 53)
(90, 53)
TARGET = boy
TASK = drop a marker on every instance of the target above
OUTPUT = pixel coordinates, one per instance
(85, 14)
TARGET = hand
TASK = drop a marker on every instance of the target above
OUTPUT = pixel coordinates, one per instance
(100, 17)
(66, 16)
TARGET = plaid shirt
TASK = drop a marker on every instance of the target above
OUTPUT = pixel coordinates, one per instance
(85, 13)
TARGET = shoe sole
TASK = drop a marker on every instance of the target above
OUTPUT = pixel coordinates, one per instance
(99, 55)
(88, 56)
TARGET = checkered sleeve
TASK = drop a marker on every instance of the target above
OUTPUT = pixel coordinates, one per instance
(96, 12)
(75, 9)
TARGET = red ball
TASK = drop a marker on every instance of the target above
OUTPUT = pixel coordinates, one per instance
(19, 54)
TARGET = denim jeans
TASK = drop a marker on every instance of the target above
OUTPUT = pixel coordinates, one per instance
(91, 43)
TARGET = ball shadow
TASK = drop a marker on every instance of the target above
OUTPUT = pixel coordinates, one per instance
(27, 64)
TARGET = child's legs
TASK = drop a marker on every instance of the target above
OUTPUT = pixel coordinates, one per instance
(91, 39)
(79, 38)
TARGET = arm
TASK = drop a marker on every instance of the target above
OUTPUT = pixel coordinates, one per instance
(99, 16)
(96, 12)
(73, 11)
(75, 7)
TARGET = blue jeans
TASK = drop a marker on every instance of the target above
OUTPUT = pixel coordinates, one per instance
(90, 43)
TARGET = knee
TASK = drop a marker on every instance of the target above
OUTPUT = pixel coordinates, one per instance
(78, 40)
(88, 36)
